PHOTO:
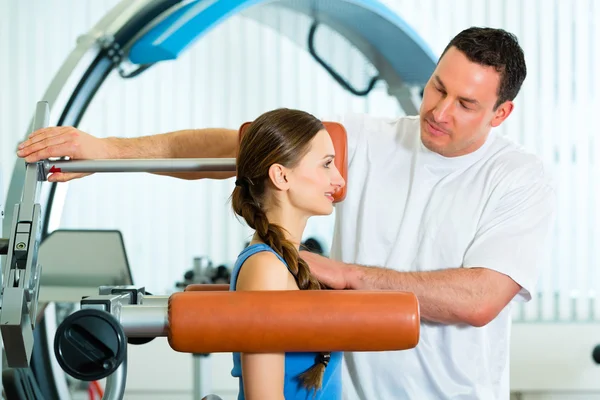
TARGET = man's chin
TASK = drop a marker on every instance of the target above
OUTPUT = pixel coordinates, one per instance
(435, 144)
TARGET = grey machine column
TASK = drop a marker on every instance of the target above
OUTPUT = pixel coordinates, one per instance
(20, 272)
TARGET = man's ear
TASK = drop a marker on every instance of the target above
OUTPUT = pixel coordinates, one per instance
(502, 112)
(278, 176)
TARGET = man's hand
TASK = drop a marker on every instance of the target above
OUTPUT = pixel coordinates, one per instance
(330, 272)
(63, 141)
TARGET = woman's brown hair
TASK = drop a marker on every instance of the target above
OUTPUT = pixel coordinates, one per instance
(283, 137)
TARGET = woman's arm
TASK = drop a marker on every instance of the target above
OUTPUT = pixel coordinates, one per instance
(263, 373)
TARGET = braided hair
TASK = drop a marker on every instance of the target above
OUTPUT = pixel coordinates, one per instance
(283, 137)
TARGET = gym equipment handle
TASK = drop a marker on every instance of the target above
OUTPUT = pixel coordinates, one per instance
(142, 165)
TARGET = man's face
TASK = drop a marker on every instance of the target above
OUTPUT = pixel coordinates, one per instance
(457, 111)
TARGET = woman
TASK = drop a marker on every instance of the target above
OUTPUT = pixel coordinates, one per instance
(285, 174)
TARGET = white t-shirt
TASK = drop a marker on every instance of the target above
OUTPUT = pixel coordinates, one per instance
(410, 209)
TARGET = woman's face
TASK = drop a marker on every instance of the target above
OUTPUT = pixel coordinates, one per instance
(315, 179)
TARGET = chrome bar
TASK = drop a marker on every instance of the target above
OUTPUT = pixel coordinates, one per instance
(157, 301)
(143, 165)
(144, 321)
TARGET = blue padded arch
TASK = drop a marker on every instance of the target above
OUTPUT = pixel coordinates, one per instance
(400, 56)
(358, 20)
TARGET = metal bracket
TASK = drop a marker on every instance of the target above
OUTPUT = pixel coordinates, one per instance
(111, 298)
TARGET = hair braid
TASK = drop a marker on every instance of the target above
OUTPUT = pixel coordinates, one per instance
(273, 235)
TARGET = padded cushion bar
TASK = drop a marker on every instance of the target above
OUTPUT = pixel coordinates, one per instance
(279, 321)
(206, 287)
(338, 135)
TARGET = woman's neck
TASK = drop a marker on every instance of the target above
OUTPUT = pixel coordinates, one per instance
(291, 221)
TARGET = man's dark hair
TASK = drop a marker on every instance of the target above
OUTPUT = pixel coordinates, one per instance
(494, 48)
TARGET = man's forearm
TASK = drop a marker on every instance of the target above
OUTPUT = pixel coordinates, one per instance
(446, 296)
(192, 143)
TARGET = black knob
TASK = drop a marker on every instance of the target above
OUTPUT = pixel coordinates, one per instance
(596, 354)
(90, 344)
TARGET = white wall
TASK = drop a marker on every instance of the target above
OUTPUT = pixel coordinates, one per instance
(229, 77)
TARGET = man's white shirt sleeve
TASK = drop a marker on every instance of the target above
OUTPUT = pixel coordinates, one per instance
(512, 237)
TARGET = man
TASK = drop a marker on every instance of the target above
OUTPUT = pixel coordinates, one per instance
(437, 204)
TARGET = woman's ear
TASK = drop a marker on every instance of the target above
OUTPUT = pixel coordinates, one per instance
(278, 176)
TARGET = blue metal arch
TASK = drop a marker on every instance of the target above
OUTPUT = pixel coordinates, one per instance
(393, 47)
(174, 34)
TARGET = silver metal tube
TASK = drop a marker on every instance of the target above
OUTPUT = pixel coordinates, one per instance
(144, 165)
(156, 301)
(202, 377)
(197, 392)
(115, 383)
(144, 321)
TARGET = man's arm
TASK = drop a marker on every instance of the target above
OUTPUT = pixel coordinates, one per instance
(78, 145)
(473, 296)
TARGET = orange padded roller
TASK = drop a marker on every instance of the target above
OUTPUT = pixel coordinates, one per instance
(206, 287)
(295, 320)
(337, 132)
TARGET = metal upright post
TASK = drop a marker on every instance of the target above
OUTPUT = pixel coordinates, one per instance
(201, 369)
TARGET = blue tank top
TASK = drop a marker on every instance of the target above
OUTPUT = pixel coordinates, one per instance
(295, 363)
